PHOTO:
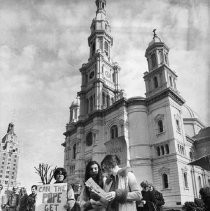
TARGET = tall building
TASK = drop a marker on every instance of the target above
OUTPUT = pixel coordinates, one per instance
(9, 155)
(152, 134)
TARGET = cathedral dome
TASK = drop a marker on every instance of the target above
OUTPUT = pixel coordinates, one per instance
(187, 112)
(203, 133)
(155, 39)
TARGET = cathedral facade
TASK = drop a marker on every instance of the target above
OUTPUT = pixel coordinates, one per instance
(152, 134)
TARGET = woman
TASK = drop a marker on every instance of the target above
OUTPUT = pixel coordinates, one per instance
(148, 199)
(60, 175)
(89, 200)
(159, 200)
(22, 206)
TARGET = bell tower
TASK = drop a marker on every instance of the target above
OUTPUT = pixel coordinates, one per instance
(99, 88)
(159, 77)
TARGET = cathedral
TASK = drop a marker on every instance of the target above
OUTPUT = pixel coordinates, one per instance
(152, 134)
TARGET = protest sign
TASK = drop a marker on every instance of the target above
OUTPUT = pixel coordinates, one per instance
(51, 197)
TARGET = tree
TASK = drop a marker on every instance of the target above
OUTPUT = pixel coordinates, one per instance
(45, 172)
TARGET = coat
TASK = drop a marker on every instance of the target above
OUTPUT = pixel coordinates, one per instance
(89, 202)
(127, 191)
(31, 202)
(22, 203)
(12, 202)
(150, 205)
(159, 200)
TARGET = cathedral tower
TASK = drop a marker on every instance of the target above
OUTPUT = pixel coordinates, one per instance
(100, 87)
(160, 77)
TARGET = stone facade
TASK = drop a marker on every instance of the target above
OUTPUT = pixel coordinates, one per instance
(148, 133)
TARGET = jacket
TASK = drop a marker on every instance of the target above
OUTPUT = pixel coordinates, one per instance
(31, 202)
(13, 201)
(22, 203)
(127, 191)
(89, 203)
(150, 205)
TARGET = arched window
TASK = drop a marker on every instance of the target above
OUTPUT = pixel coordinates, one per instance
(103, 5)
(74, 151)
(162, 150)
(91, 103)
(165, 180)
(112, 100)
(191, 155)
(161, 57)
(89, 139)
(171, 83)
(155, 82)
(177, 125)
(87, 105)
(185, 180)
(166, 58)
(158, 151)
(106, 48)
(114, 132)
(160, 126)
(113, 77)
(167, 149)
(154, 61)
(103, 99)
(93, 48)
(108, 100)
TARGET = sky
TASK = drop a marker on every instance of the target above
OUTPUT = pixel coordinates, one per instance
(43, 43)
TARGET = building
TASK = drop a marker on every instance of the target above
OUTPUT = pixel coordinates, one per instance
(152, 134)
(9, 155)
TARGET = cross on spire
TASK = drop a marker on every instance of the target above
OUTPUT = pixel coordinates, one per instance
(154, 35)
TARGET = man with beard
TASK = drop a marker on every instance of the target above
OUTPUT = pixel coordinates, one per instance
(89, 200)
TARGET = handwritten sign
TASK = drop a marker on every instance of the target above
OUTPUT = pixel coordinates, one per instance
(51, 197)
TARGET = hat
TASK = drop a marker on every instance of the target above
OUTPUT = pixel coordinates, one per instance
(60, 171)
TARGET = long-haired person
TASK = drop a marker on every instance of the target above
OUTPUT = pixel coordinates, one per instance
(159, 200)
(88, 199)
(148, 199)
(22, 206)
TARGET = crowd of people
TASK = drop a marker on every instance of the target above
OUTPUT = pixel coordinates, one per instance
(121, 192)
(18, 200)
(119, 186)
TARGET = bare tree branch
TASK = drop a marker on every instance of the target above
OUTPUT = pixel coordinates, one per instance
(45, 173)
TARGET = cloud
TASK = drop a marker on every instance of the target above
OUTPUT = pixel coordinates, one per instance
(43, 44)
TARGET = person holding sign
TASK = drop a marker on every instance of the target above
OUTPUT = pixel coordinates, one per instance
(88, 199)
(60, 175)
(121, 185)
